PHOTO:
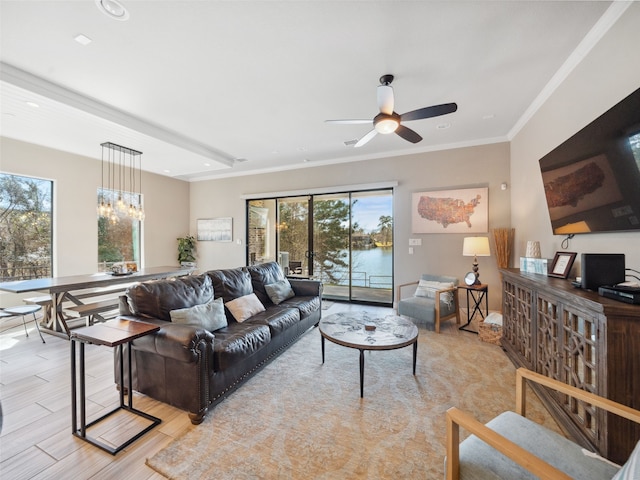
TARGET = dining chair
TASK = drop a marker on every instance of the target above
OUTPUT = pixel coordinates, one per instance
(22, 311)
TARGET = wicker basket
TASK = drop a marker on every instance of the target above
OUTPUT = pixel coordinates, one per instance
(490, 333)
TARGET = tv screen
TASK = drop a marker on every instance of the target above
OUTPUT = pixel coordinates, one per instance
(592, 180)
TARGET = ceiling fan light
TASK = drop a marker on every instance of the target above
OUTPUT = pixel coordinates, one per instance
(387, 125)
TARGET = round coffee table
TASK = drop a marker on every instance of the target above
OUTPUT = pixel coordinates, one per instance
(364, 331)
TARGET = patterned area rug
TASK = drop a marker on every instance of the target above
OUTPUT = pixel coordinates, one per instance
(298, 418)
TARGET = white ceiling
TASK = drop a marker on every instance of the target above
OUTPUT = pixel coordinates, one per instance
(197, 85)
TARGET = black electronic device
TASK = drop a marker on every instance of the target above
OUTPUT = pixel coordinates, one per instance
(621, 293)
(591, 180)
(602, 269)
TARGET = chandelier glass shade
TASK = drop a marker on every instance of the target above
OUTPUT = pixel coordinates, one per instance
(120, 194)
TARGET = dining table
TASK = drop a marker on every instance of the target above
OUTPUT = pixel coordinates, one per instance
(77, 288)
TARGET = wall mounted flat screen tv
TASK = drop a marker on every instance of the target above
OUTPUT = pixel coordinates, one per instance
(592, 180)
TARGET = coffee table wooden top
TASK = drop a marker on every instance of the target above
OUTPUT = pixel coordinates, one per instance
(113, 333)
(348, 329)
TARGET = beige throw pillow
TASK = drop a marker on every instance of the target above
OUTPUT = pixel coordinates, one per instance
(428, 289)
(209, 316)
(245, 307)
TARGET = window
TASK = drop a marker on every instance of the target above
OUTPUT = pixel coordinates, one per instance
(118, 234)
(26, 230)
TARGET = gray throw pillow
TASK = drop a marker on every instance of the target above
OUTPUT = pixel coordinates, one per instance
(278, 292)
(209, 316)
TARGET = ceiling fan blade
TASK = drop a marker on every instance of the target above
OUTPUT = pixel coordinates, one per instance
(408, 134)
(385, 99)
(428, 112)
(364, 140)
(348, 122)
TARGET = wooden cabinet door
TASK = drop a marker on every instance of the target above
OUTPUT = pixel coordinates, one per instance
(517, 328)
(579, 334)
(548, 351)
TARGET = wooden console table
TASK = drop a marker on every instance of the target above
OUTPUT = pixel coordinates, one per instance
(581, 339)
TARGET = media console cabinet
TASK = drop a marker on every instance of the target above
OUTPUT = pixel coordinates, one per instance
(581, 339)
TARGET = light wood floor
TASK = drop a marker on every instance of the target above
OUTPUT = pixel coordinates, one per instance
(35, 394)
(35, 391)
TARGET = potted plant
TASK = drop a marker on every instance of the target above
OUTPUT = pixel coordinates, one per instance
(187, 250)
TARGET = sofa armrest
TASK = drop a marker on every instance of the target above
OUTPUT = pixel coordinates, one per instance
(306, 288)
(173, 340)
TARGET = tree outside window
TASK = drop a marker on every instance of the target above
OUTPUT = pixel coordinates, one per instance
(26, 230)
(119, 234)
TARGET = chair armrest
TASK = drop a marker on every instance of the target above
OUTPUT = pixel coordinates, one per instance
(399, 296)
(457, 418)
(523, 374)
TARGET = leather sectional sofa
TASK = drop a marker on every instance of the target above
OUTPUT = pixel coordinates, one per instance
(192, 368)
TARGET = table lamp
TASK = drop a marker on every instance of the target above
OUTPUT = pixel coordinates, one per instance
(475, 247)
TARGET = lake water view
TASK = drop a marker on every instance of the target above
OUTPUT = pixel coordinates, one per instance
(372, 267)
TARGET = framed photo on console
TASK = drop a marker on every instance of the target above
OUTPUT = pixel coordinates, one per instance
(562, 263)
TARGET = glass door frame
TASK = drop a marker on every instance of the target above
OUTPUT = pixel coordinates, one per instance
(310, 251)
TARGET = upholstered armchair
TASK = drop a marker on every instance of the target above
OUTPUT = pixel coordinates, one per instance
(434, 300)
(512, 446)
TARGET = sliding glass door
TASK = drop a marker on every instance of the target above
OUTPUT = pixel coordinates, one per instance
(343, 239)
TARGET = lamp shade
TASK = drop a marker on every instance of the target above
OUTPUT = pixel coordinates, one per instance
(476, 247)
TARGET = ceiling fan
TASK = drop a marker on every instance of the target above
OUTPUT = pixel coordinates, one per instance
(388, 121)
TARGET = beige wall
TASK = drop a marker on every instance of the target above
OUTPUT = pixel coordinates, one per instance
(76, 180)
(483, 166)
(609, 73)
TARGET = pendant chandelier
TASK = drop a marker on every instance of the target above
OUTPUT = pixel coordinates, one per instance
(123, 194)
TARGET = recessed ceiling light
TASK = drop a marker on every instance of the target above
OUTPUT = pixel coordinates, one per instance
(82, 39)
(207, 164)
(443, 126)
(33, 104)
(113, 9)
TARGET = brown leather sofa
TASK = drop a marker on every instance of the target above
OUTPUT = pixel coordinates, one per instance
(194, 369)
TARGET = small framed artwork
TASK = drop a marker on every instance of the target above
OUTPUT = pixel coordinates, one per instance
(215, 229)
(562, 263)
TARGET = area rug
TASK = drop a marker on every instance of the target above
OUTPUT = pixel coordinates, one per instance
(301, 419)
(326, 304)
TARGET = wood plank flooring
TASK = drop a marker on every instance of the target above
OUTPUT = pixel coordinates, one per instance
(35, 394)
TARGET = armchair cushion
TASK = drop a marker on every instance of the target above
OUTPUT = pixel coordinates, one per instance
(631, 469)
(480, 461)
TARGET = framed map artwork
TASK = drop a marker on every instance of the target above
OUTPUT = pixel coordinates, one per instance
(450, 211)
